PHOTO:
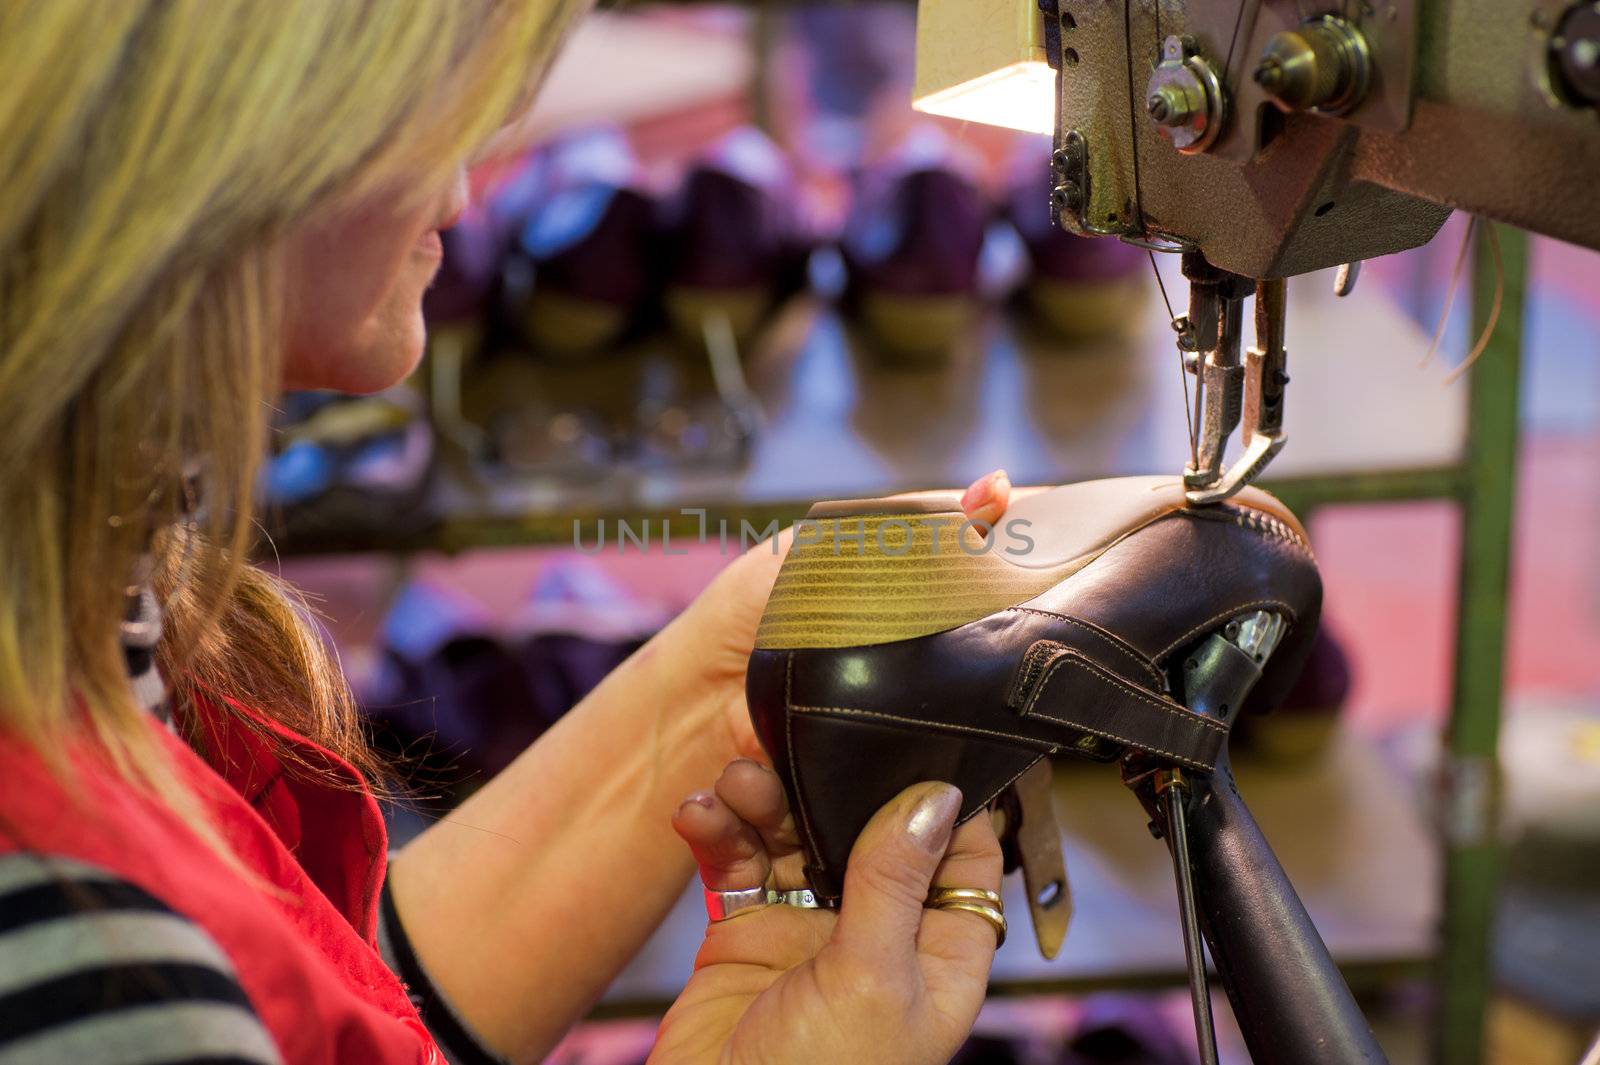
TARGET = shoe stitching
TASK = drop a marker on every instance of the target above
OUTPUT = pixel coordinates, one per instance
(1045, 746)
(1013, 780)
(939, 726)
(794, 764)
(1177, 711)
(1180, 712)
(1223, 616)
(1181, 759)
(1116, 643)
(1255, 521)
(1273, 526)
(916, 724)
(1034, 659)
(1263, 523)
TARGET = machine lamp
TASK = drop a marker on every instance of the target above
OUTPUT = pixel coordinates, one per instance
(984, 61)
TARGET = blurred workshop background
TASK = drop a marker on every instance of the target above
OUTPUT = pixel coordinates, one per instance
(729, 271)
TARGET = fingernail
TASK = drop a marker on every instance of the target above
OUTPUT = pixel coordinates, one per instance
(978, 493)
(700, 798)
(933, 818)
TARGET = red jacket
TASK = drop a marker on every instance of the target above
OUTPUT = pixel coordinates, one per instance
(302, 938)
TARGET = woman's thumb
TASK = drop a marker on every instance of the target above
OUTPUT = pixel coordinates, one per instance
(891, 868)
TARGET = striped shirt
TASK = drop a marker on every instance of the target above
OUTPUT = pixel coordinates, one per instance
(94, 970)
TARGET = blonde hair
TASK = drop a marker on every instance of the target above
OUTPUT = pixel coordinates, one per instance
(153, 156)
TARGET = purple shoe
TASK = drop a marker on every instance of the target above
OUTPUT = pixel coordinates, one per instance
(580, 274)
(1124, 1030)
(734, 246)
(1082, 288)
(577, 626)
(447, 687)
(911, 248)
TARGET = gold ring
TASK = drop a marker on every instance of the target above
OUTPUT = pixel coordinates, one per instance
(939, 896)
(988, 913)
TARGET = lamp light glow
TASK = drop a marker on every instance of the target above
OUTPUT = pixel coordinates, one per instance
(984, 61)
(1020, 96)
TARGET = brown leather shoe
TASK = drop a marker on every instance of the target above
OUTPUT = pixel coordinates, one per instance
(902, 644)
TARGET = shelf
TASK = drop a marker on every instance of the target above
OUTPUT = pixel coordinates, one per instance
(1346, 829)
(1365, 421)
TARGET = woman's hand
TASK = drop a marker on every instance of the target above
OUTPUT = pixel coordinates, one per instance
(882, 980)
(715, 635)
(562, 858)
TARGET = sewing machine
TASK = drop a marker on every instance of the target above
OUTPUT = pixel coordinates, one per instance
(1265, 138)
(1260, 139)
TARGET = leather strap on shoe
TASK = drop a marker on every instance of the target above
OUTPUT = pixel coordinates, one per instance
(1060, 684)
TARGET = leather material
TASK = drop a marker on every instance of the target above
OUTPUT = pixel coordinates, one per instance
(1080, 668)
(1068, 688)
(1074, 520)
(1258, 930)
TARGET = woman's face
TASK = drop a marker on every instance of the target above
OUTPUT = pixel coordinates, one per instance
(355, 292)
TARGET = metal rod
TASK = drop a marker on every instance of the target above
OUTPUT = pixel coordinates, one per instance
(1473, 856)
(1205, 1032)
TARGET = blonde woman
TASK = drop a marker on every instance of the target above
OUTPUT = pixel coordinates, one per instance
(206, 201)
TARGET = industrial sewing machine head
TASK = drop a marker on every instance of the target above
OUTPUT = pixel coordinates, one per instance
(1265, 138)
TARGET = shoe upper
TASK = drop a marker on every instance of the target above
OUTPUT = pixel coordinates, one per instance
(903, 644)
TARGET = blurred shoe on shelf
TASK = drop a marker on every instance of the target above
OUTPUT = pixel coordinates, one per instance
(1302, 728)
(1081, 288)
(1118, 1029)
(582, 270)
(911, 247)
(462, 693)
(349, 470)
(576, 627)
(447, 692)
(734, 247)
(736, 250)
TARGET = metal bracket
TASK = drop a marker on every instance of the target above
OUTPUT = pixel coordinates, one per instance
(1069, 198)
